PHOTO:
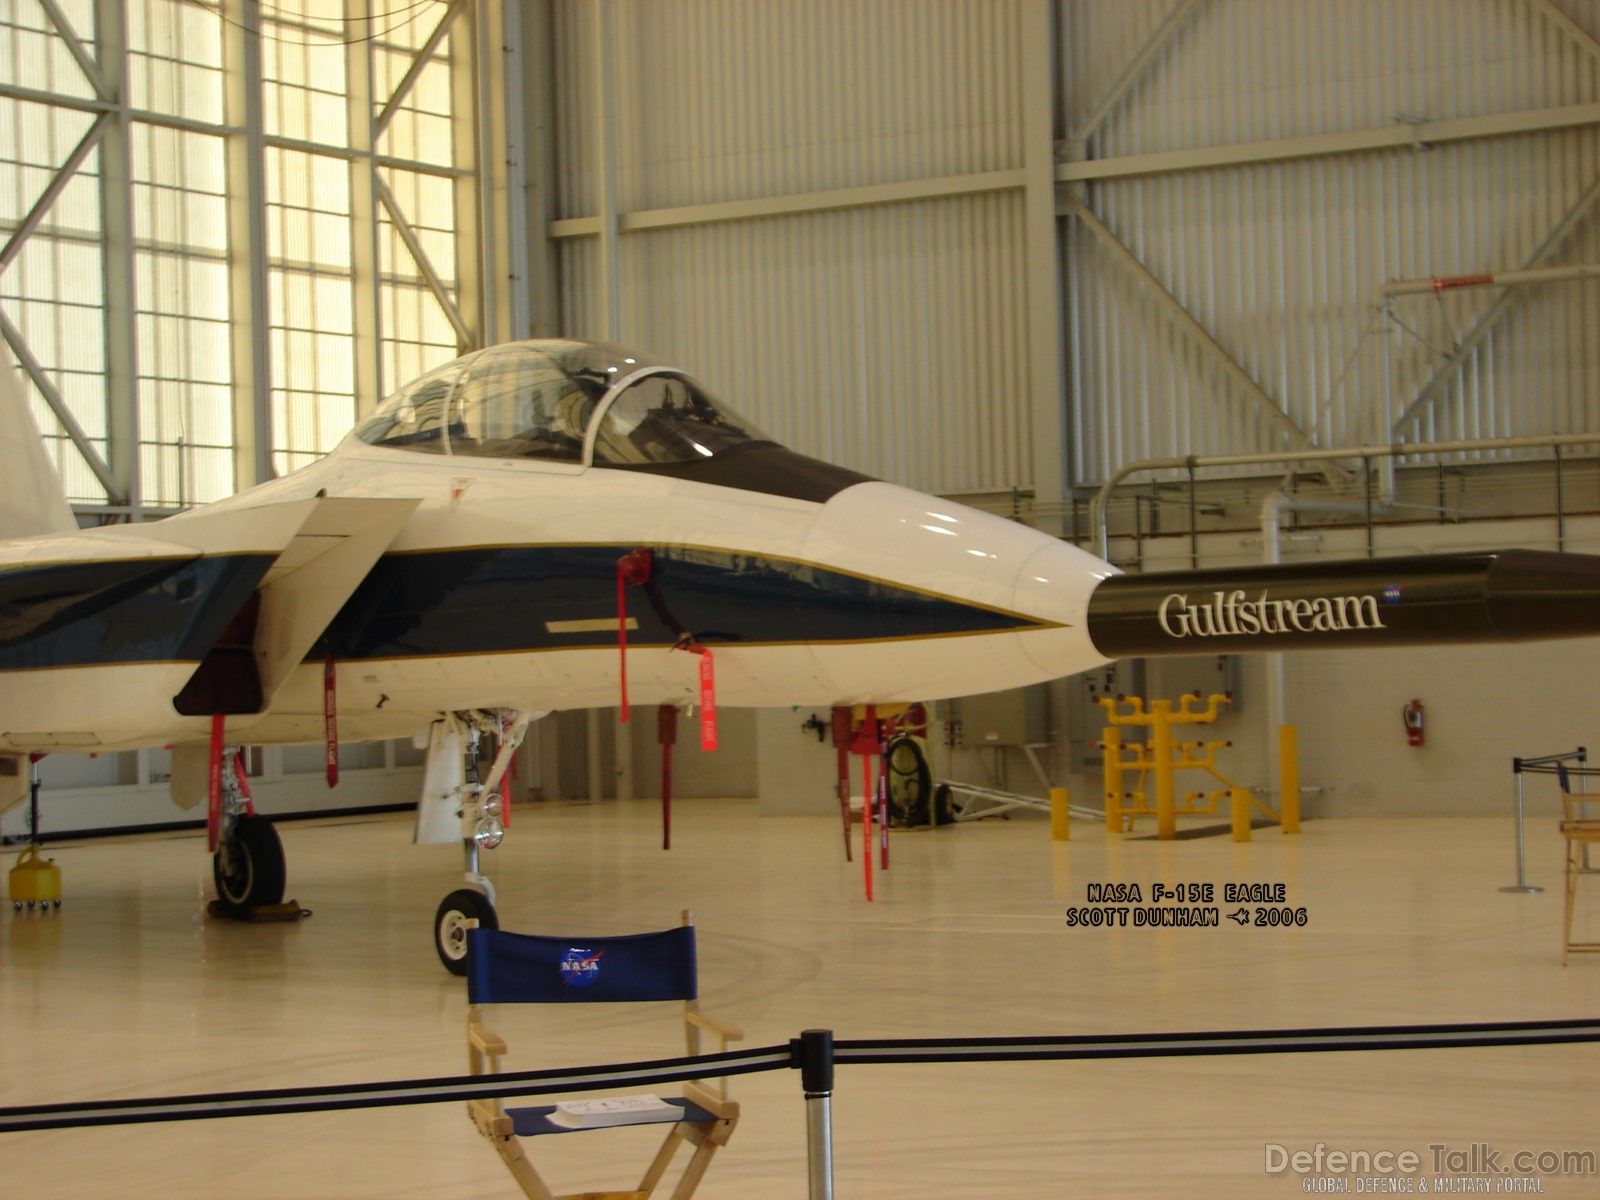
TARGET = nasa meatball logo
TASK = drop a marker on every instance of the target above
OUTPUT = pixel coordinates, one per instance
(1391, 594)
(580, 967)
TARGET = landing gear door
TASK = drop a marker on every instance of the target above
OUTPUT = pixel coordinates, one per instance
(438, 809)
(14, 781)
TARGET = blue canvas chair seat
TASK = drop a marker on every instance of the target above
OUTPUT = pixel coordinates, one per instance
(517, 968)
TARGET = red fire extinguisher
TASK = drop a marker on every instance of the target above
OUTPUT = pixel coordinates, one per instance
(1413, 714)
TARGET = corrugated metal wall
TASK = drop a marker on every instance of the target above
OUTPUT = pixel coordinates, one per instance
(727, 100)
(1281, 260)
(1209, 307)
(889, 337)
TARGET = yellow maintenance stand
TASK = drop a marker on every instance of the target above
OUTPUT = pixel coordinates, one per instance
(1163, 756)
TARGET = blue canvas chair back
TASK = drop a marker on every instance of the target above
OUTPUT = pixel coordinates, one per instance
(523, 968)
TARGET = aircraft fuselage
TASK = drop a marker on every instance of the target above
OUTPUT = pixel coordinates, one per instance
(500, 590)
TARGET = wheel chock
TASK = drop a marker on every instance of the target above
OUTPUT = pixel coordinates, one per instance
(289, 910)
(34, 881)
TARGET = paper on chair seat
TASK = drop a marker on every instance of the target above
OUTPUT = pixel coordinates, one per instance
(616, 1110)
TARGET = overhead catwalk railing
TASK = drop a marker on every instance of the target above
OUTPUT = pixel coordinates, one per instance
(1098, 506)
(814, 1053)
(1414, 403)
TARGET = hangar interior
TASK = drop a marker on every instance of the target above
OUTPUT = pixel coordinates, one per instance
(1113, 270)
(1198, 282)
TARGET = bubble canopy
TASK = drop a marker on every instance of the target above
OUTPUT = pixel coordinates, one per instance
(581, 403)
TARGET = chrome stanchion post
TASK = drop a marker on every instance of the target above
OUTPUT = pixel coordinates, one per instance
(813, 1054)
(1582, 755)
(1521, 884)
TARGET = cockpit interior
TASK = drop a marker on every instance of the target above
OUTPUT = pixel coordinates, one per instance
(582, 403)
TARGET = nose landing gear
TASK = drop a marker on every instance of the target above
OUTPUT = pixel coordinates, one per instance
(478, 809)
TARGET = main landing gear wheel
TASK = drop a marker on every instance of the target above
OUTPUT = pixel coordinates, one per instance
(249, 867)
(458, 912)
(910, 782)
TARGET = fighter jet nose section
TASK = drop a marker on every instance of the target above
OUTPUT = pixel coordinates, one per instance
(937, 547)
(957, 598)
(1054, 585)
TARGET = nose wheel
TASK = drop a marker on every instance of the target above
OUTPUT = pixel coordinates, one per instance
(459, 801)
(461, 910)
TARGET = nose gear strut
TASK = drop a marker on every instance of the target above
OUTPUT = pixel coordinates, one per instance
(479, 807)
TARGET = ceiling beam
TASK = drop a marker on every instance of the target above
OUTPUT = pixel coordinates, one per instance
(1419, 135)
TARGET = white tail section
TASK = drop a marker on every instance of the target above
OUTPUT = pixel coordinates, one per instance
(32, 499)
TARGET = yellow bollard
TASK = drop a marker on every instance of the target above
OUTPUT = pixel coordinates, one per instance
(1240, 800)
(1060, 818)
(1289, 777)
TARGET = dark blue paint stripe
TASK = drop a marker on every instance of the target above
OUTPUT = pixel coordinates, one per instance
(488, 600)
(502, 599)
(174, 611)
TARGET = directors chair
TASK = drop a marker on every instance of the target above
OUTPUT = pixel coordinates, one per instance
(517, 968)
(1580, 831)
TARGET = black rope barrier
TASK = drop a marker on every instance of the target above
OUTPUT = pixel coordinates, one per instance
(388, 1093)
(1277, 1041)
(770, 1058)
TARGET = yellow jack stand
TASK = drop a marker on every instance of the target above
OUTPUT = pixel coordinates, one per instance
(35, 881)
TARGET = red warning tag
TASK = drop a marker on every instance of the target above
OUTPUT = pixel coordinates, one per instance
(708, 700)
(214, 785)
(330, 720)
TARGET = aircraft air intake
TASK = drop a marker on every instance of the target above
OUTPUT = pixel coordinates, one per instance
(1428, 600)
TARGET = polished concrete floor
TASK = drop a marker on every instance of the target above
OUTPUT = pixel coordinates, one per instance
(130, 990)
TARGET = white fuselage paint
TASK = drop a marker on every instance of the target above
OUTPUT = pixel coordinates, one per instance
(876, 530)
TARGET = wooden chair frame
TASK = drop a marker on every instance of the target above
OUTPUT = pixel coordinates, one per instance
(1580, 830)
(703, 1033)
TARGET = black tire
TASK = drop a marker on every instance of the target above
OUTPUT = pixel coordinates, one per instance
(253, 874)
(451, 922)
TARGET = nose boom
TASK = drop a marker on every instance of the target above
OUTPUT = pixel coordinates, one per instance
(1429, 600)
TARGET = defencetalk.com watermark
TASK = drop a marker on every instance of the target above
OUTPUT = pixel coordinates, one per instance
(1442, 1169)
